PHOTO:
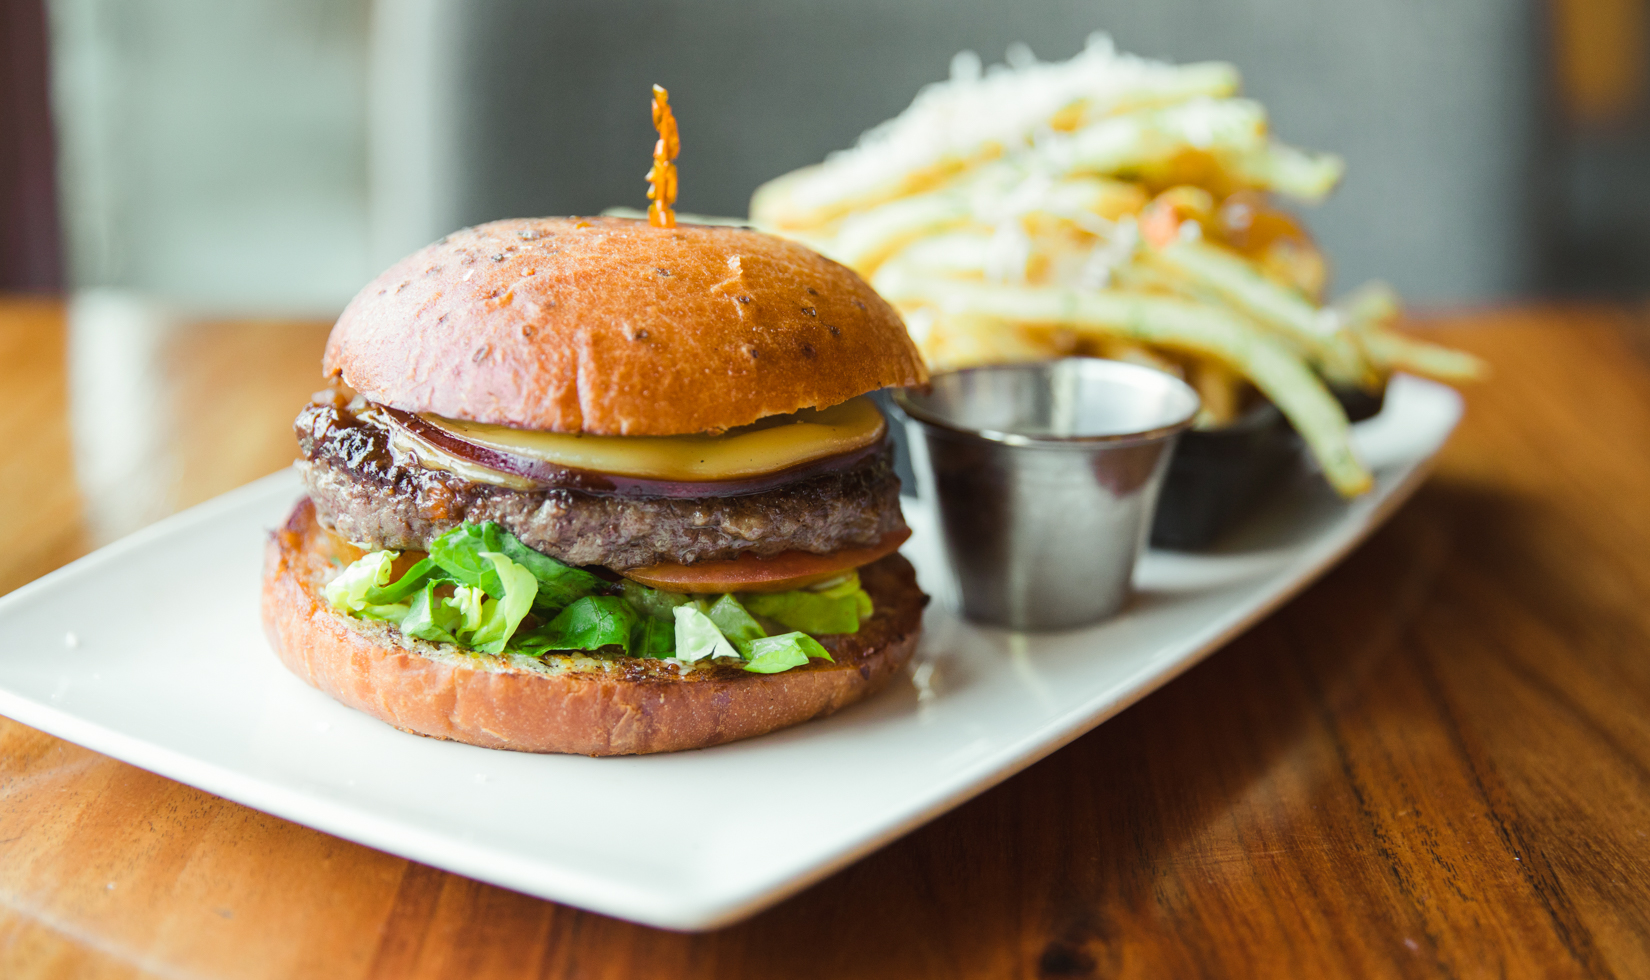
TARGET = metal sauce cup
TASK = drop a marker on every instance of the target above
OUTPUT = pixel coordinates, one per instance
(1046, 475)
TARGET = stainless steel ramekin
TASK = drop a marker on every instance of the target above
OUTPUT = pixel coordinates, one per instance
(1045, 476)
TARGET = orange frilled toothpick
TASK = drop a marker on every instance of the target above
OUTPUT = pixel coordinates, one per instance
(663, 175)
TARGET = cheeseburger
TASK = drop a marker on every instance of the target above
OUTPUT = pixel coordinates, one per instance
(593, 486)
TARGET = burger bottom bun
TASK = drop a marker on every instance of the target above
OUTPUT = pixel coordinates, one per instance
(572, 703)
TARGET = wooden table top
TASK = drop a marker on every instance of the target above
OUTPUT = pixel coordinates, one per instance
(1434, 762)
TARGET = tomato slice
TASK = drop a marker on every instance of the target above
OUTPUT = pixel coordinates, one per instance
(751, 573)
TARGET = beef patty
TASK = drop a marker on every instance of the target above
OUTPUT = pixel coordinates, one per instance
(377, 496)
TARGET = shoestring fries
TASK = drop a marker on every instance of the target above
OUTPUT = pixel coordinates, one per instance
(1109, 206)
(977, 117)
(1162, 322)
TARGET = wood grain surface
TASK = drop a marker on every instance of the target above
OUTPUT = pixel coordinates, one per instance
(1434, 762)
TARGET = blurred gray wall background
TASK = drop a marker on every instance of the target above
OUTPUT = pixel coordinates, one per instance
(270, 155)
(544, 106)
(212, 153)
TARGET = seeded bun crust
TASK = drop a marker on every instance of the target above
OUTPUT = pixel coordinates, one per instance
(613, 327)
(573, 704)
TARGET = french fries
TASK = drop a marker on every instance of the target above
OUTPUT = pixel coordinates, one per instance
(1163, 322)
(1112, 206)
(979, 116)
(1241, 285)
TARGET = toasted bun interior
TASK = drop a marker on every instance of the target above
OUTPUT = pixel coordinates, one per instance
(566, 703)
(612, 327)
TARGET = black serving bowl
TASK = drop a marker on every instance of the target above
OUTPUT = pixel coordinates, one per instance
(1218, 476)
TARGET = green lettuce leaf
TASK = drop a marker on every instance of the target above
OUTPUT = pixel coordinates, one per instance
(459, 553)
(389, 613)
(773, 654)
(851, 587)
(590, 623)
(469, 602)
(697, 636)
(811, 612)
(487, 605)
(497, 581)
(432, 617)
(653, 638)
(843, 585)
(348, 591)
(411, 581)
(648, 601)
(559, 584)
(735, 623)
(501, 616)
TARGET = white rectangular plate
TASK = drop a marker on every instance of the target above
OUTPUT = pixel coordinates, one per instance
(169, 670)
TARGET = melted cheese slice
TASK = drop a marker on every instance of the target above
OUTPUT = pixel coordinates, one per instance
(764, 447)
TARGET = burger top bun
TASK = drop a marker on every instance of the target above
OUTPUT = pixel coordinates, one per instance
(613, 327)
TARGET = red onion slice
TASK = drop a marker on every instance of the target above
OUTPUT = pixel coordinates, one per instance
(549, 475)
